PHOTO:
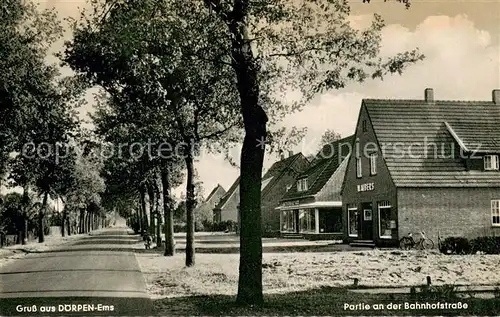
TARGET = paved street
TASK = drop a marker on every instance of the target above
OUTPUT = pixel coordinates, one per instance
(99, 270)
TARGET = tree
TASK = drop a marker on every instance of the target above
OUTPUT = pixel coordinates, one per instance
(25, 35)
(328, 137)
(271, 48)
(36, 105)
(123, 124)
(84, 193)
(284, 45)
(163, 72)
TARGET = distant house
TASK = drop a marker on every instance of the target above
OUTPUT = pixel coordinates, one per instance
(281, 175)
(423, 165)
(205, 210)
(312, 207)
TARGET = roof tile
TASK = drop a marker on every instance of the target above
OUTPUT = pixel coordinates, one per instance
(407, 122)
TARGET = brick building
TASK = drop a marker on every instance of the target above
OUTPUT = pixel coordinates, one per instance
(312, 207)
(274, 184)
(423, 165)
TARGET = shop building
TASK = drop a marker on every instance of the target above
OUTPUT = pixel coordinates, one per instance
(423, 165)
(312, 206)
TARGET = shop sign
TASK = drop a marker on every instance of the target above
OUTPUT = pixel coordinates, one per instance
(290, 203)
(366, 187)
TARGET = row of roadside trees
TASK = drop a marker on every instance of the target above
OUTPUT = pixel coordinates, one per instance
(183, 77)
(39, 126)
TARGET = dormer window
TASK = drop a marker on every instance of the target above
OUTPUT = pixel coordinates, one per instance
(302, 185)
(491, 162)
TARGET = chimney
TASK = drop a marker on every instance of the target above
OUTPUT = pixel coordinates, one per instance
(496, 96)
(429, 95)
(290, 153)
(282, 156)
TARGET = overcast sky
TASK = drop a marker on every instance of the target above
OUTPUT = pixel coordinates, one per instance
(459, 38)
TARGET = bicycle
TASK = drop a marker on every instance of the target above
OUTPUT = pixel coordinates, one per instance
(407, 243)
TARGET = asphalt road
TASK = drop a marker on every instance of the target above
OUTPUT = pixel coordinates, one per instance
(95, 275)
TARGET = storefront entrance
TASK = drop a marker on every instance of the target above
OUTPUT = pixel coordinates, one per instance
(366, 222)
(290, 221)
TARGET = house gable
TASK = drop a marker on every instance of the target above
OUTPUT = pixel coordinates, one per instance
(431, 138)
(322, 168)
(354, 188)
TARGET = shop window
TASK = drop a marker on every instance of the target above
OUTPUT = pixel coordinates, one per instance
(352, 219)
(330, 220)
(491, 162)
(495, 212)
(288, 221)
(384, 219)
(307, 220)
(359, 172)
(373, 164)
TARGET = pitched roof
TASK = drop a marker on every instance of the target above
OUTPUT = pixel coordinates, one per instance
(216, 188)
(279, 167)
(228, 194)
(268, 179)
(441, 126)
(324, 164)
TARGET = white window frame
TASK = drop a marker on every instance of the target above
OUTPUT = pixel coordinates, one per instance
(382, 205)
(491, 162)
(373, 164)
(359, 168)
(495, 212)
(302, 185)
(349, 209)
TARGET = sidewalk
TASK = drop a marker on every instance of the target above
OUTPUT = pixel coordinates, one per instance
(33, 246)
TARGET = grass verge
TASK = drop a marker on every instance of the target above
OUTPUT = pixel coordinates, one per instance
(330, 301)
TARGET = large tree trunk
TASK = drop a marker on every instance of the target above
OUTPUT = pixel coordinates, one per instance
(41, 213)
(158, 215)
(152, 197)
(87, 221)
(190, 250)
(168, 214)
(68, 224)
(143, 211)
(252, 158)
(80, 215)
(63, 221)
(24, 233)
(81, 221)
(25, 230)
(139, 218)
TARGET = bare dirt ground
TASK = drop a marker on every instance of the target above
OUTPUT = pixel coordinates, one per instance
(300, 271)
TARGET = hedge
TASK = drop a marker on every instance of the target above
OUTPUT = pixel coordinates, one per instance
(461, 245)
